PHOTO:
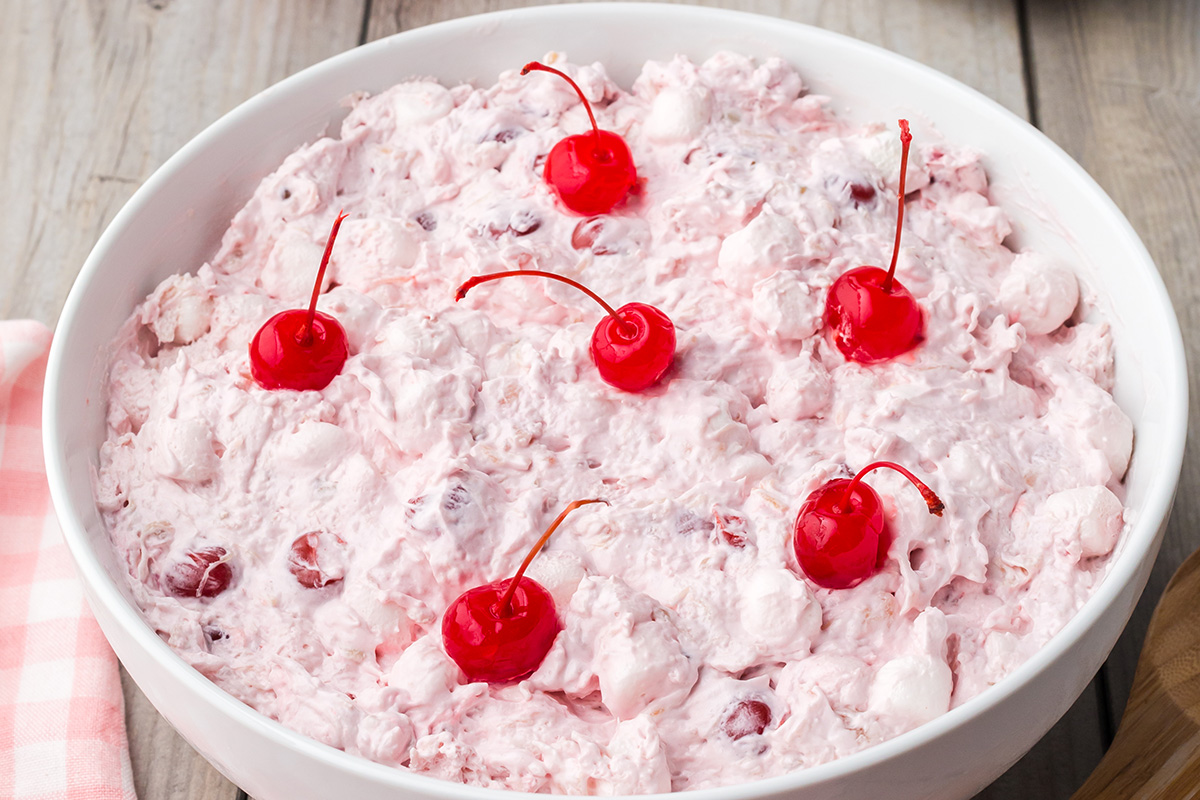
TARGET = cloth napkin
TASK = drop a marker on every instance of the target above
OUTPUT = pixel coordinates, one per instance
(62, 714)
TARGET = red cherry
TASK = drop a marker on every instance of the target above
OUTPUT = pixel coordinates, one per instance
(496, 648)
(632, 347)
(501, 632)
(872, 316)
(299, 349)
(304, 559)
(745, 718)
(590, 172)
(840, 536)
(861, 193)
(732, 529)
(202, 573)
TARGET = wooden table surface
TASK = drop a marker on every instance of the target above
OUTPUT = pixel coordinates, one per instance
(96, 94)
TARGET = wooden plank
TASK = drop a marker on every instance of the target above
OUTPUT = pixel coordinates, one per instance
(164, 765)
(93, 97)
(1116, 87)
(975, 41)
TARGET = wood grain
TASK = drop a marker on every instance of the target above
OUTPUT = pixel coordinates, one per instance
(1116, 83)
(96, 95)
(164, 765)
(1156, 753)
(93, 97)
(975, 41)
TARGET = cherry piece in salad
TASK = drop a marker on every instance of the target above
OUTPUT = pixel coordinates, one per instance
(590, 172)
(840, 535)
(632, 346)
(872, 316)
(502, 631)
(745, 718)
(304, 559)
(298, 349)
(201, 573)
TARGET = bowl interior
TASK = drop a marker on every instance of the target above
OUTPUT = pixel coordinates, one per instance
(175, 221)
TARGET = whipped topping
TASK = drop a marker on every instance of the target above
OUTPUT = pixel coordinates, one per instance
(693, 652)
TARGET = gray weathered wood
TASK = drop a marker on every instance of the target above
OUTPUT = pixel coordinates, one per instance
(93, 97)
(1116, 83)
(96, 95)
(164, 765)
(976, 41)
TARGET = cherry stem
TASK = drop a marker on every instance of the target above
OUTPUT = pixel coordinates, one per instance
(905, 139)
(505, 607)
(932, 500)
(312, 304)
(622, 325)
(534, 65)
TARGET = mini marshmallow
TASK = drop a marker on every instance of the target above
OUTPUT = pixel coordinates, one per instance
(798, 389)
(787, 306)
(420, 103)
(292, 267)
(183, 449)
(912, 689)
(183, 312)
(385, 737)
(780, 613)
(1091, 515)
(1039, 292)
(770, 242)
(678, 115)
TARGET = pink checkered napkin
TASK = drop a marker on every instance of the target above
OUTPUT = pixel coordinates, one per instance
(62, 715)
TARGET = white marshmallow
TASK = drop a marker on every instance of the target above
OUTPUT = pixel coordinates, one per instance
(315, 445)
(420, 103)
(1039, 292)
(780, 613)
(678, 115)
(423, 671)
(184, 308)
(770, 242)
(798, 389)
(912, 689)
(787, 306)
(183, 449)
(385, 737)
(1091, 515)
(291, 266)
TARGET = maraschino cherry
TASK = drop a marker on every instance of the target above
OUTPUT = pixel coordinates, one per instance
(872, 316)
(501, 632)
(745, 718)
(632, 346)
(298, 349)
(840, 537)
(201, 573)
(590, 172)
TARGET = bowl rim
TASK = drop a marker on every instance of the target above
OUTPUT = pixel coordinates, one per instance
(1141, 541)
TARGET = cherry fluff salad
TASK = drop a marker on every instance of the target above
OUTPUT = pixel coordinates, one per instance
(819, 464)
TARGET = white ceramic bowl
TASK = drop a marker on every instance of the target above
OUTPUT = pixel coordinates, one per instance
(175, 222)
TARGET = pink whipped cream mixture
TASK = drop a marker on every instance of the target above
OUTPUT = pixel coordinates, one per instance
(456, 432)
